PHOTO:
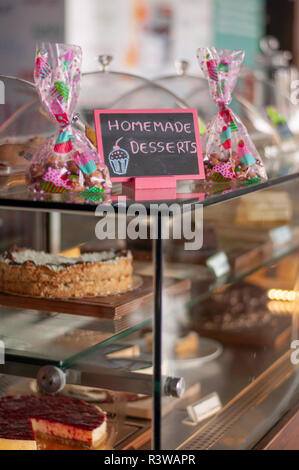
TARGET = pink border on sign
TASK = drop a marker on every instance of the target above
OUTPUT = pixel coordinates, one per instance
(193, 111)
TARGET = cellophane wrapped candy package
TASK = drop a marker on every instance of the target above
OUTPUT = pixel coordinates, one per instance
(230, 152)
(67, 161)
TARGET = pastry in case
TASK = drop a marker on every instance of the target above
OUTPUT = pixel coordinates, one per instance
(27, 422)
(40, 274)
(239, 314)
(18, 151)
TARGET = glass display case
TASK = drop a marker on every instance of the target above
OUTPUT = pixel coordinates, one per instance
(198, 351)
(199, 354)
(24, 124)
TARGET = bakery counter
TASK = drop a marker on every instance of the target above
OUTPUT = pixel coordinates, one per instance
(210, 328)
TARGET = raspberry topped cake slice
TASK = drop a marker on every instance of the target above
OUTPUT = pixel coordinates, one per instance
(26, 420)
(15, 429)
(16, 434)
(40, 274)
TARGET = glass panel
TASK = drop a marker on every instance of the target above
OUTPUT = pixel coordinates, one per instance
(231, 340)
(61, 338)
(115, 90)
(21, 114)
(24, 126)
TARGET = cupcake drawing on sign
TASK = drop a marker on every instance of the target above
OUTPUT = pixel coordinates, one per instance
(119, 159)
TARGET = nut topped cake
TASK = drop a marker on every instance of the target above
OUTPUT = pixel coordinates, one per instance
(40, 274)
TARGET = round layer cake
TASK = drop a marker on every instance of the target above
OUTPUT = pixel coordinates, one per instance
(39, 274)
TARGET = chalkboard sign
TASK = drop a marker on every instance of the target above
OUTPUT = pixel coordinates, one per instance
(139, 143)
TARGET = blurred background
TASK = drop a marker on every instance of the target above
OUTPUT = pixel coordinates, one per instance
(158, 40)
(144, 36)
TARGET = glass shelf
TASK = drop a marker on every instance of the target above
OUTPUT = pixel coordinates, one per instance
(37, 337)
(14, 194)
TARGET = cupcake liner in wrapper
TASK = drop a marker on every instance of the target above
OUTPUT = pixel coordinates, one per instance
(68, 161)
(230, 153)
